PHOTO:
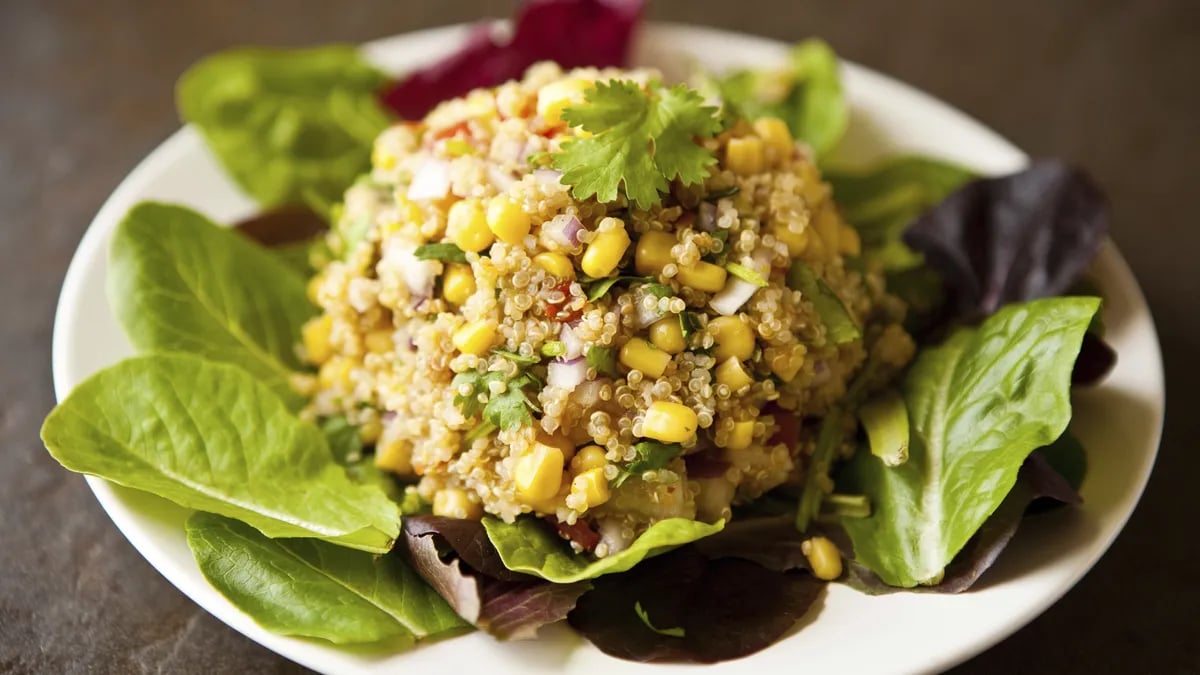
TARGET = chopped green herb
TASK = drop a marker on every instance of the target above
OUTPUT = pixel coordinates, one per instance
(603, 359)
(717, 195)
(510, 409)
(846, 506)
(553, 348)
(659, 290)
(446, 252)
(718, 257)
(538, 159)
(689, 323)
(519, 359)
(641, 140)
(840, 326)
(669, 632)
(482, 429)
(651, 456)
(746, 274)
(598, 288)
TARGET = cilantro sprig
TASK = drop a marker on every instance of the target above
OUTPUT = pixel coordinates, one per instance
(651, 456)
(641, 139)
(507, 410)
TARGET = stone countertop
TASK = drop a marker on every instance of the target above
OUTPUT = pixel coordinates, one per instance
(86, 92)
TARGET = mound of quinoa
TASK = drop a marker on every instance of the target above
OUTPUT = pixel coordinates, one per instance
(385, 341)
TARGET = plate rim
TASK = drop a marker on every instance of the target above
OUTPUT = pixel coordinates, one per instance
(177, 144)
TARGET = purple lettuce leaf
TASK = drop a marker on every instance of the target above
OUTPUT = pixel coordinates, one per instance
(683, 606)
(1038, 480)
(1096, 359)
(572, 33)
(456, 558)
(1014, 238)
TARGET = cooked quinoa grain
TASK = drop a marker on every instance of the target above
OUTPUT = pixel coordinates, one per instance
(512, 349)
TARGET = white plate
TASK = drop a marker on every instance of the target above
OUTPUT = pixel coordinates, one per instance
(1119, 422)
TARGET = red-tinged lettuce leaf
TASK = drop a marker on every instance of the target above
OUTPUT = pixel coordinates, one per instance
(1038, 481)
(456, 558)
(572, 33)
(1015, 238)
(682, 606)
(771, 541)
(1096, 360)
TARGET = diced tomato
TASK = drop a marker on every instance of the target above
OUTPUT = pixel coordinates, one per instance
(581, 532)
(559, 311)
(452, 131)
(789, 426)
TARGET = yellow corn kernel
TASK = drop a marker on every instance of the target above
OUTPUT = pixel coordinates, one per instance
(745, 156)
(775, 133)
(476, 337)
(703, 276)
(741, 435)
(667, 335)
(604, 253)
(849, 242)
(669, 422)
(563, 443)
(653, 252)
(555, 264)
(455, 503)
(315, 336)
(637, 354)
(458, 283)
(786, 365)
(812, 189)
(796, 242)
(731, 374)
(395, 456)
(507, 220)
(588, 458)
(379, 341)
(407, 212)
(828, 227)
(335, 372)
(481, 104)
(368, 431)
(314, 289)
(823, 557)
(538, 473)
(382, 158)
(553, 98)
(732, 338)
(467, 226)
(593, 486)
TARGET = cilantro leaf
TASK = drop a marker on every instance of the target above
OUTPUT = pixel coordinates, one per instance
(519, 359)
(445, 252)
(603, 359)
(660, 290)
(641, 140)
(651, 456)
(689, 323)
(468, 403)
(510, 409)
(598, 288)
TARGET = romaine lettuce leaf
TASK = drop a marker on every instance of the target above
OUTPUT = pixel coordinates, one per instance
(178, 282)
(528, 546)
(210, 436)
(315, 589)
(978, 404)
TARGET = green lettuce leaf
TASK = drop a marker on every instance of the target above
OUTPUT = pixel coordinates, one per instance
(807, 95)
(209, 436)
(179, 282)
(289, 126)
(978, 405)
(882, 201)
(315, 589)
(528, 546)
(840, 326)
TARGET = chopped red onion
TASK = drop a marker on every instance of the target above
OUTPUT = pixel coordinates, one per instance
(644, 316)
(588, 393)
(431, 181)
(730, 299)
(566, 374)
(548, 176)
(564, 229)
(571, 342)
(501, 180)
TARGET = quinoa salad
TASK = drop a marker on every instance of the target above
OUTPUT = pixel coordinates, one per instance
(698, 340)
(530, 336)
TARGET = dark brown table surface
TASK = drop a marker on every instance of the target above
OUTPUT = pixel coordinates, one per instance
(85, 92)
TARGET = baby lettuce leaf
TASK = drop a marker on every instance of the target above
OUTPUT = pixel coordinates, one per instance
(840, 326)
(315, 589)
(456, 558)
(210, 436)
(529, 546)
(178, 282)
(1037, 481)
(810, 101)
(882, 201)
(682, 606)
(289, 126)
(978, 405)
(572, 33)
(1019, 237)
